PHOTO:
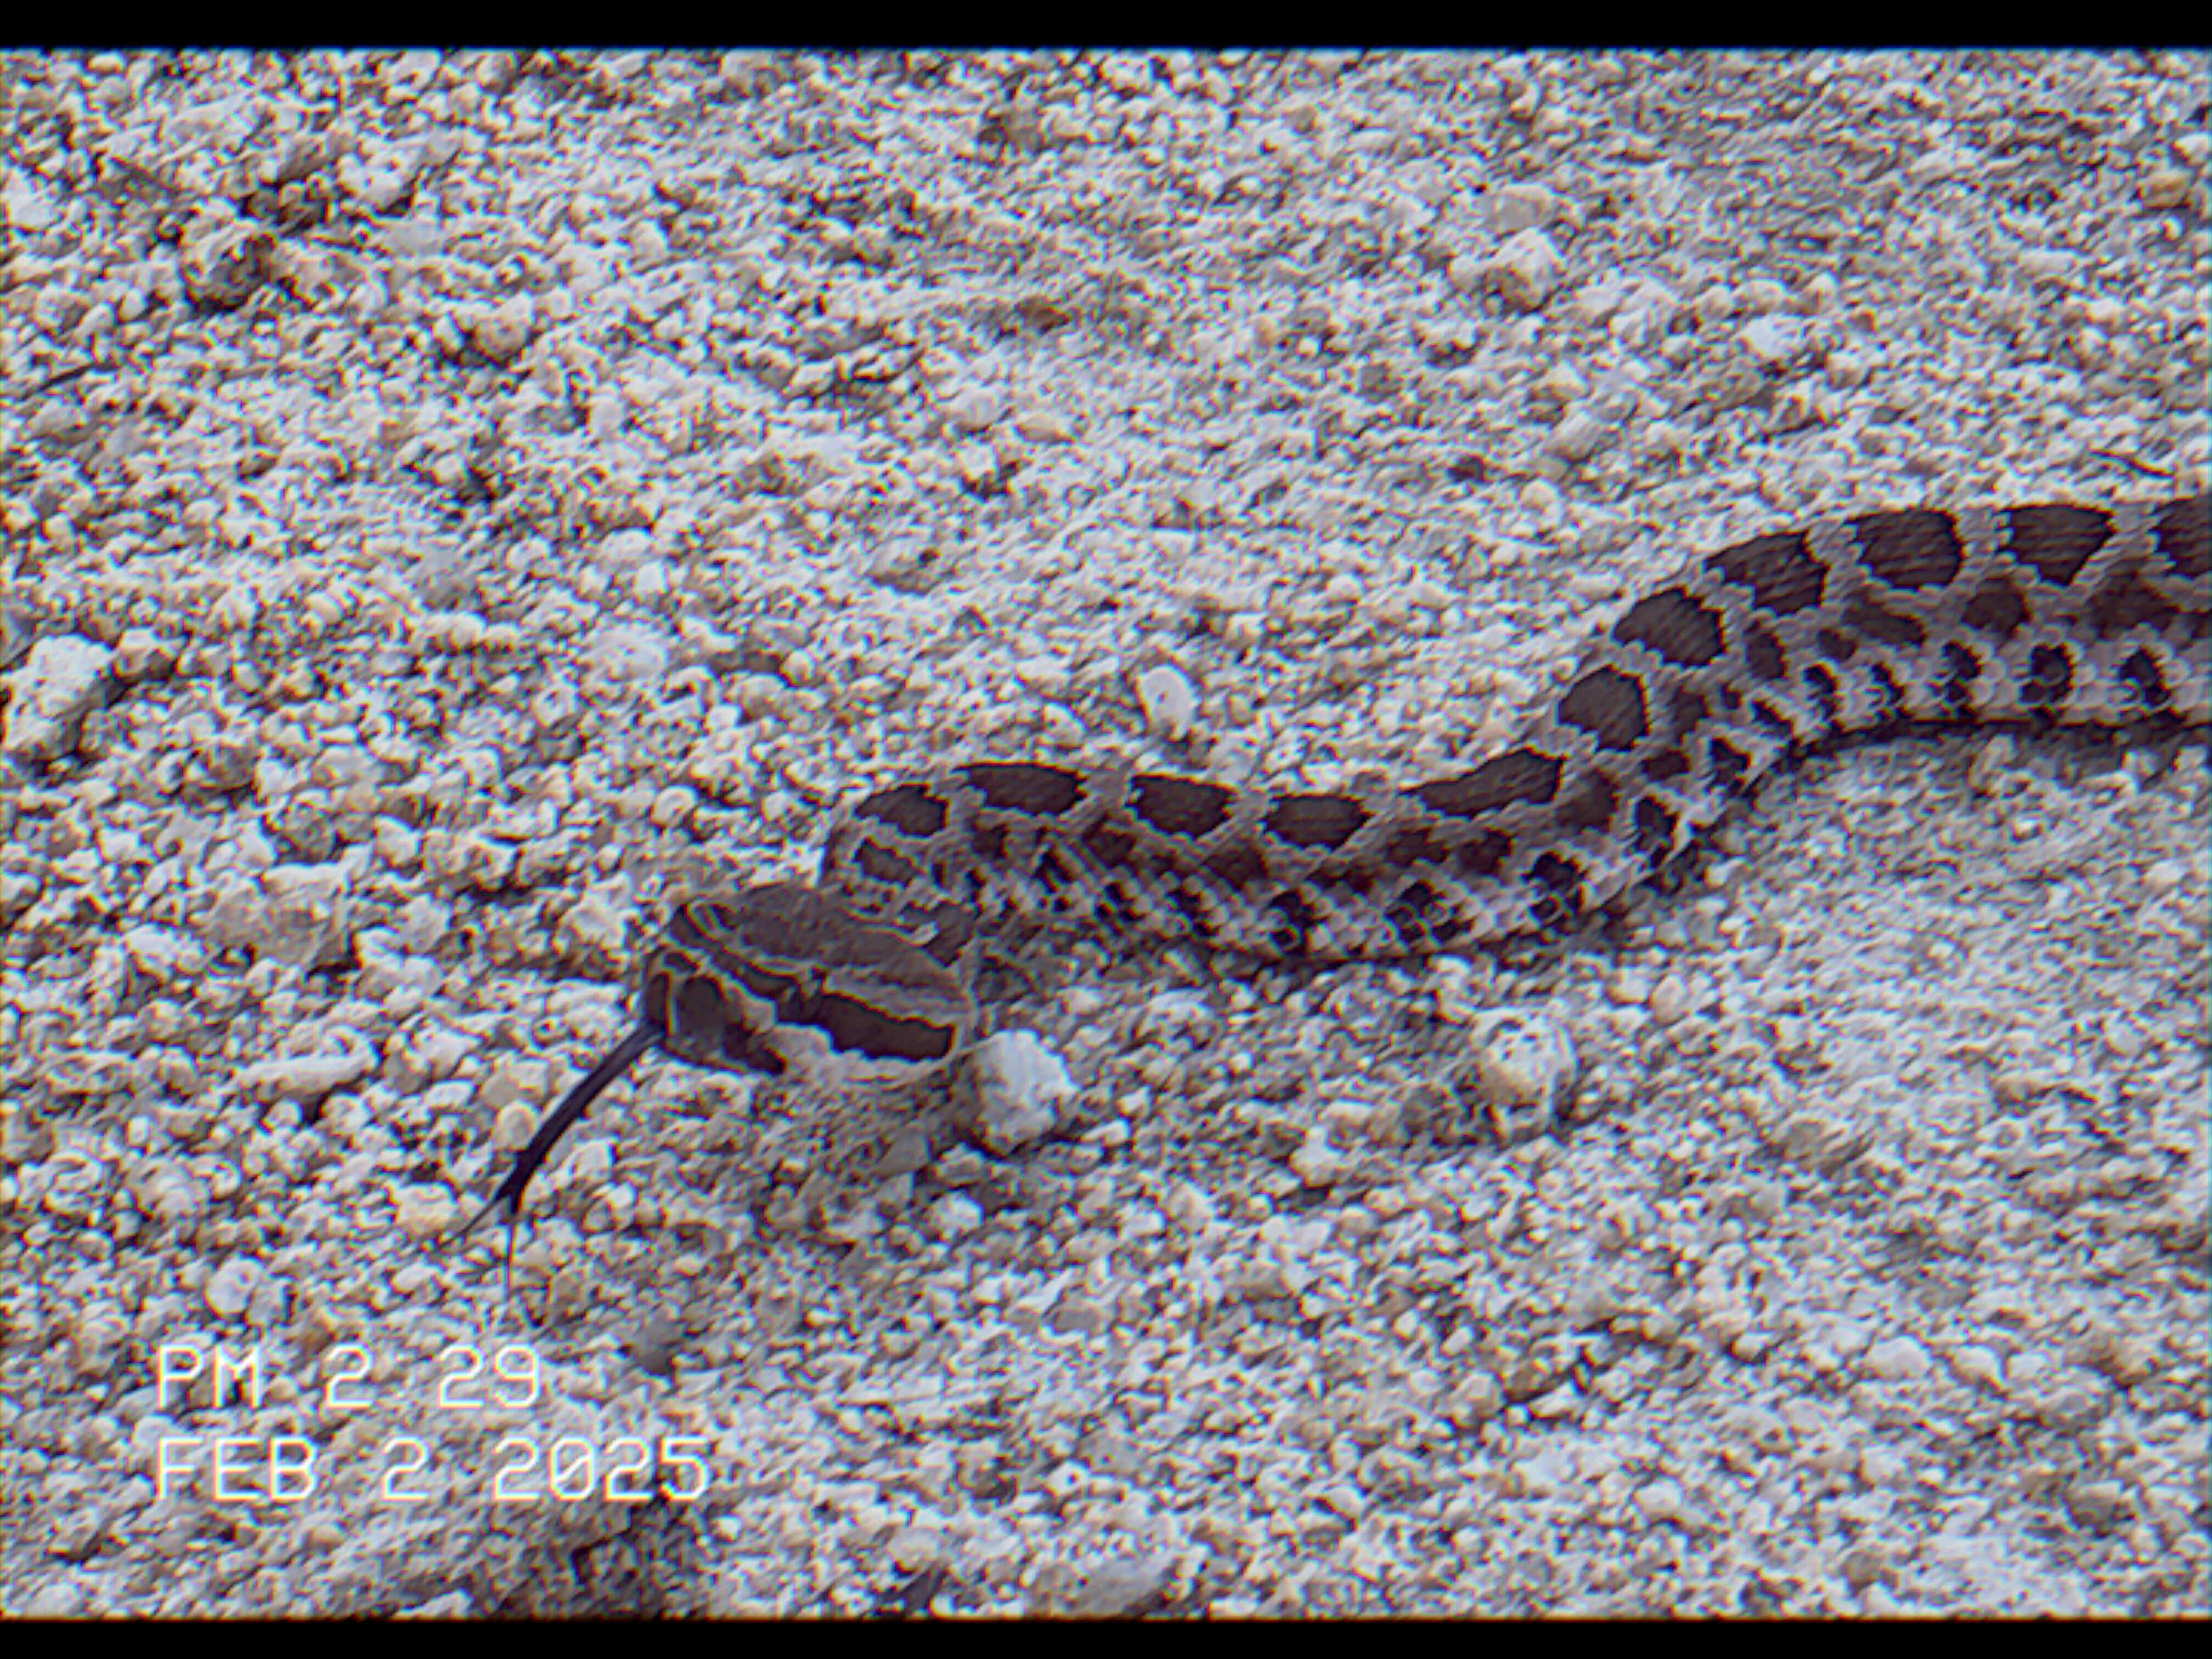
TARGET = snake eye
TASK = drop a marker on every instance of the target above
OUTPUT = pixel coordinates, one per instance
(700, 1017)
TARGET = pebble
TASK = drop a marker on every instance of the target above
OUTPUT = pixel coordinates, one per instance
(223, 260)
(502, 331)
(1898, 1358)
(1169, 699)
(62, 680)
(307, 1076)
(1318, 1162)
(1525, 271)
(1011, 1090)
(1520, 1071)
(1118, 1588)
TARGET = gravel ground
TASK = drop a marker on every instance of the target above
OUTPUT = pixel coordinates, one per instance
(445, 497)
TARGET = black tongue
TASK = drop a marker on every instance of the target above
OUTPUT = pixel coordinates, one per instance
(508, 1198)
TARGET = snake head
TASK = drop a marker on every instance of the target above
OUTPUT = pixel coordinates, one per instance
(782, 976)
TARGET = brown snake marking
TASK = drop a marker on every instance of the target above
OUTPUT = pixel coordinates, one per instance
(1777, 645)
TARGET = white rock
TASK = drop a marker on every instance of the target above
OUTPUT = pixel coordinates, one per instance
(1170, 702)
(1898, 1360)
(1517, 206)
(501, 332)
(976, 409)
(65, 678)
(143, 655)
(1577, 437)
(297, 914)
(1525, 271)
(307, 1077)
(1010, 1089)
(470, 860)
(424, 923)
(221, 259)
(1316, 1162)
(167, 957)
(1520, 1073)
(955, 1216)
(229, 1289)
(1189, 1207)
(1119, 1586)
(1660, 1499)
(423, 1212)
(1775, 340)
(593, 929)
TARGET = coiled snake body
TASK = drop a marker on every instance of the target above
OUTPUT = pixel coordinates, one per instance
(2057, 614)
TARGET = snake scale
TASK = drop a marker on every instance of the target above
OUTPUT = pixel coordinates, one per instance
(2055, 614)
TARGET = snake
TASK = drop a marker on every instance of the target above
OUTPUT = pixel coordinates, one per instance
(1744, 659)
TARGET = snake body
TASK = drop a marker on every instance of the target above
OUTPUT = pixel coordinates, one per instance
(1777, 646)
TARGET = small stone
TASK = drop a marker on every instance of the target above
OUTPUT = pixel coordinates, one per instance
(396, 844)
(1189, 1208)
(1863, 1564)
(469, 861)
(511, 1128)
(223, 260)
(1899, 1359)
(58, 1600)
(1520, 1073)
(1577, 437)
(1043, 426)
(1465, 272)
(170, 957)
(425, 1211)
(2164, 875)
(1517, 206)
(955, 1216)
(1079, 1315)
(1825, 1141)
(295, 914)
(1169, 699)
(592, 931)
(1525, 271)
(1970, 1362)
(1317, 1163)
(512, 1079)
(915, 1549)
(2100, 1505)
(2127, 1359)
(1011, 1090)
(501, 333)
(424, 923)
(62, 680)
(1475, 1400)
(143, 655)
(2163, 188)
(1629, 988)
(1660, 1500)
(673, 806)
(1119, 1586)
(1669, 1000)
(1775, 340)
(307, 1076)
(975, 409)
(229, 1289)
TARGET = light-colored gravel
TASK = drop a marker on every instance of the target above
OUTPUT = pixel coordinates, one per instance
(446, 498)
